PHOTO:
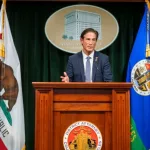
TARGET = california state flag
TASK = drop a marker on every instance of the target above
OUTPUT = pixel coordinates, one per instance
(12, 132)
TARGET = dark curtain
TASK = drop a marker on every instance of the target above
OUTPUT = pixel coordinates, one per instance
(41, 61)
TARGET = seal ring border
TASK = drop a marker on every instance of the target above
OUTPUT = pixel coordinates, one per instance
(82, 123)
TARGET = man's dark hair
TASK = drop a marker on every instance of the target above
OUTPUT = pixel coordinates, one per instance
(89, 30)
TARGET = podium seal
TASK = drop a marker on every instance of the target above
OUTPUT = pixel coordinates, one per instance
(82, 135)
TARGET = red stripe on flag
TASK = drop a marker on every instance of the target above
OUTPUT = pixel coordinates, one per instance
(2, 145)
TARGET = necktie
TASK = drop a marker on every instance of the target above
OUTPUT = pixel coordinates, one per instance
(88, 70)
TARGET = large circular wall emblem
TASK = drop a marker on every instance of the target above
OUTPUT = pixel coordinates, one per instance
(63, 28)
(82, 135)
(140, 77)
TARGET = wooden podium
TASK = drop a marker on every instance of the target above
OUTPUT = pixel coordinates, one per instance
(58, 105)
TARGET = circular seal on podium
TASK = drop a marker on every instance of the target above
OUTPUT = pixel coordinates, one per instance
(82, 135)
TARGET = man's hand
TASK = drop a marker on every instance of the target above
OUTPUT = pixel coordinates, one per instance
(65, 78)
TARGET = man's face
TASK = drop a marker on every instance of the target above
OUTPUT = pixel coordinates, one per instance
(88, 42)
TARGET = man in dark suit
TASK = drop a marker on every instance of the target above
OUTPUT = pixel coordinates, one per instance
(88, 65)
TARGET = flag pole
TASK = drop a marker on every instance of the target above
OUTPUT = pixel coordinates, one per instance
(147, 29)
(2, 47)
(3, 18)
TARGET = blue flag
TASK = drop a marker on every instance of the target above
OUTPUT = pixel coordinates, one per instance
(139, 74)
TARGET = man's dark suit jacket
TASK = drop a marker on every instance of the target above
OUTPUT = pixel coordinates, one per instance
(101, 68)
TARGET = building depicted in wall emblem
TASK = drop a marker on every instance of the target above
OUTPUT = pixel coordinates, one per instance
(78, 20)
(64, 27)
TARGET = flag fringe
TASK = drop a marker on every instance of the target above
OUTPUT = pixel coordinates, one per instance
(24, 147)
(2, 47)
(148, 4)
(148, 50)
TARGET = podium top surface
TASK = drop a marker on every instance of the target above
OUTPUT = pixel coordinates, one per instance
(95, 85)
